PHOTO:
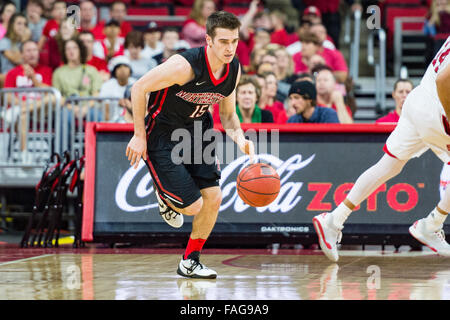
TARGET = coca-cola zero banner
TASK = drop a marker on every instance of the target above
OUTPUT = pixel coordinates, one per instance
(316, 169)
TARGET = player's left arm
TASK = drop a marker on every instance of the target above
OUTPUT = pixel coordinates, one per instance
(232, 125)
(443, 88)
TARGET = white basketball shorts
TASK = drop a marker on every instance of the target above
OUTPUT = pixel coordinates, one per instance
(421, 127)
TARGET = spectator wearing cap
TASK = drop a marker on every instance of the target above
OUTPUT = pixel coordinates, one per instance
(302, 97)
(120, 69)
(152, 41)
(118, 12)
(87, 38)
(134, 43)
(112, 44)
(194, 28)
(311, 46)
(330, 95)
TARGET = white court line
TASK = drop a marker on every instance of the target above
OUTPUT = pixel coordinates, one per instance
(25, 259)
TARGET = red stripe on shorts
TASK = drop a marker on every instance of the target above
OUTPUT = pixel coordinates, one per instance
(385, 149)
(158, 182)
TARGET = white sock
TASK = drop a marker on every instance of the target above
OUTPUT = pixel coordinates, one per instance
(340, 214)
(435, 220)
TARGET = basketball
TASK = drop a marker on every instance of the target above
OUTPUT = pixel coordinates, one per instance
(258, 184)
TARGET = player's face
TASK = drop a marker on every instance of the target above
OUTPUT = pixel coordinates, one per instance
(224, 44)
(400, 93)
(246, 96)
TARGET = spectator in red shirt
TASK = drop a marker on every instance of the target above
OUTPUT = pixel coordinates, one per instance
(59, 12)
(118, 12)
(112, 45)
(334, 59)
(279, 34)
(87, 38)
(402, 88)
(28, 75)
(330, 95)
(252, 20)
(52, 51)
(267, 100)
(194, 29)
(88, 14)
(255, 59)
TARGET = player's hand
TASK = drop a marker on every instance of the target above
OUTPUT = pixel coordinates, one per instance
(137, 148)
(248, 148)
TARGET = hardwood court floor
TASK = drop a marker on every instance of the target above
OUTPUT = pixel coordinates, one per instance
(117, 274)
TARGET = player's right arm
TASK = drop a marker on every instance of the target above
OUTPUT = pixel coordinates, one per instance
(443, 89)
(176, 70)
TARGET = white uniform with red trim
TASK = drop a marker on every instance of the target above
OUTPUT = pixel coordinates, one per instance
(422, 123)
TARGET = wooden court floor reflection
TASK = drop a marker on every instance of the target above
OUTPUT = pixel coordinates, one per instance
(245, 274)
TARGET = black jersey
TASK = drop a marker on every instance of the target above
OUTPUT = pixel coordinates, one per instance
(179, 106)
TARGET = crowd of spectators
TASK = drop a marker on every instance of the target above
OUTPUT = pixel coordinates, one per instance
(297, 76)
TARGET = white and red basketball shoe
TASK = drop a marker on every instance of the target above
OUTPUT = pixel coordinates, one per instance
(329, 235)
(433, 240)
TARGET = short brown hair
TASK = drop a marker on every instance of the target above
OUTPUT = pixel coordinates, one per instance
(402, 80)
(221, 19)
(309, 37)
(246, 79)
(134, 38)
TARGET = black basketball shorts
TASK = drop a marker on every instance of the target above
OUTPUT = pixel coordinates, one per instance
(180, 183)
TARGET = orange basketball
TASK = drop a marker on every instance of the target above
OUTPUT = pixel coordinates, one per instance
(258, 184)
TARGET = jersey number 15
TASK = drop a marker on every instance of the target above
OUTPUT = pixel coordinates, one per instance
(199, 111)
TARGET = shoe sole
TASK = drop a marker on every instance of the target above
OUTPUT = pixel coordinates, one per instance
(195, 276)
(418, 238)
(319, 230)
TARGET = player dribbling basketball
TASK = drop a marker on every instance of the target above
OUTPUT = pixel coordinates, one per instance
(423, 125)
(181, 91)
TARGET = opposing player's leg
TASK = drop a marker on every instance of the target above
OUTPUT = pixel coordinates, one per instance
(329, 225)
(202, 225)
(404, 143)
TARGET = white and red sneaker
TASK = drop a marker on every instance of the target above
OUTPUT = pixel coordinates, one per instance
(329, 235)
(433, 240)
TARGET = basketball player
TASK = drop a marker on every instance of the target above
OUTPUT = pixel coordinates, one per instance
(423, 125)
(181, 91)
